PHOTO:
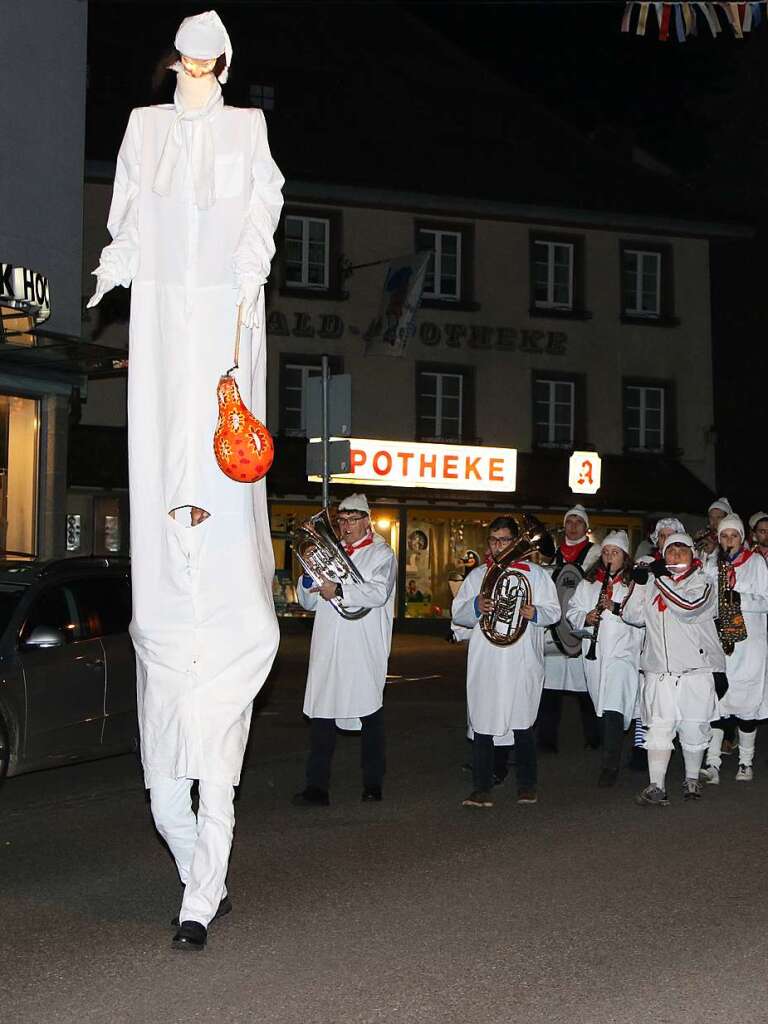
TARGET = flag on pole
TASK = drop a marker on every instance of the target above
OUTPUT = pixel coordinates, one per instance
(395, 322)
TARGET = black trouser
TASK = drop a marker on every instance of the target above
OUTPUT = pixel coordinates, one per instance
(613, 738)
(525, 760)
(550, 712)
(322, 743)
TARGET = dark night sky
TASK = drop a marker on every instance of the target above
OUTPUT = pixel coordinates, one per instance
(683, 102)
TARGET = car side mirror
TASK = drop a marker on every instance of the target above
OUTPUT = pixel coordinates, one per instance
(45, 636)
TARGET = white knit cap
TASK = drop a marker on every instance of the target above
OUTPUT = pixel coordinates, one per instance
(618, 538)
(355, 503)
(666, 524)
(755, 519)
(577, 510)
(203, 37)
(723, 504)
(731, 522)
(678, 538)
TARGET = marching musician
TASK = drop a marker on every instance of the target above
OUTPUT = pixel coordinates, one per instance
(612, 652)
(504, 683)
(681, 654)
(741, 582)
(562, 673)
(758, 525)
(706, 539)
(664, 528)
(348, 657)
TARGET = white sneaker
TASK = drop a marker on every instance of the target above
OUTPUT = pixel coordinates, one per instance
(745, 773)
(710, 774)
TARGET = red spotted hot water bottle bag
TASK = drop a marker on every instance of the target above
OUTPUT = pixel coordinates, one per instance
(243, 446)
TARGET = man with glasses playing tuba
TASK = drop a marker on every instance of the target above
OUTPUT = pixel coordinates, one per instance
(351, 639)
(505, 668)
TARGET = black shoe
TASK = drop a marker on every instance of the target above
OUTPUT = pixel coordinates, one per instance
(191, 936)
(608, 777)
(225, 907)
(371, 794)
(312, 796)
(593, 744)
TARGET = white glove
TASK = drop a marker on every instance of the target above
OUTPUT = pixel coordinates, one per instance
(103, 285)
(247, 299)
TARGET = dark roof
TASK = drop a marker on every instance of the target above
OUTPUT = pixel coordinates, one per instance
(369, 95)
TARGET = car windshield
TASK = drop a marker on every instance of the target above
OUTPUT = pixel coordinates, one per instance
(10, 595)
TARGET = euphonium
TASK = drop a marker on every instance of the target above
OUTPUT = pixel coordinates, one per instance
(509, 589)
(323, 557)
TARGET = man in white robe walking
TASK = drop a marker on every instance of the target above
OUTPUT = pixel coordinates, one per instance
(348, 657)
(504, 684)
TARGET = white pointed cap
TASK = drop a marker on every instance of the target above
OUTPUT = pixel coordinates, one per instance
(678, 538)
(723, 504)
(577, 510)
(355, 503)
(731, 522)
(617, 538)
(755, 519)
(203, 37)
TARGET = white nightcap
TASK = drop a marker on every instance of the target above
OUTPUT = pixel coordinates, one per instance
(203, 37)
(678, 538)
(755, 519)
(723, 504)
(618, 538)
(355, 503)
(577, 510)
(731, 522)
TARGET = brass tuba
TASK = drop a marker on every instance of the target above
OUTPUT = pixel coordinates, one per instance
(509, 588)
(322, 556)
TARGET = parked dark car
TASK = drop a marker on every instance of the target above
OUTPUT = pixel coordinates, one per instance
(67, 675)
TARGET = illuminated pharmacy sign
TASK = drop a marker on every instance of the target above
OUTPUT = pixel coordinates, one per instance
(584, 472)
(451, 467)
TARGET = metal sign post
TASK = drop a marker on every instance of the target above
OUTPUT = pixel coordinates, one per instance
(325, 438)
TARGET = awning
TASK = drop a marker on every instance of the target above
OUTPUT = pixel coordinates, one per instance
(60, 353)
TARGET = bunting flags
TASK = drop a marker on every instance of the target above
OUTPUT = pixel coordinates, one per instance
(680, 19)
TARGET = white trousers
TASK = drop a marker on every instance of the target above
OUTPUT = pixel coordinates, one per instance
(200, 845)
(683, 704)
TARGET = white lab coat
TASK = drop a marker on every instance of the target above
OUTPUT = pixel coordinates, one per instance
(504, 684)
(560, 671)
(204, 625)
(746, 666)
(613, 678)
(348, 657)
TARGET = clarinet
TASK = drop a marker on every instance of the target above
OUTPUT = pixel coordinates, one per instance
(591, 655)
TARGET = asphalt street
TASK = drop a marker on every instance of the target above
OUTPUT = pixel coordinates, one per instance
(583, 908)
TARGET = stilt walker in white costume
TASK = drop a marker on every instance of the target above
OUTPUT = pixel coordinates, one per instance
(681, 659)
(196, 201)
(348, 657)
(741, 579)
(612, 650)
(504, 683)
